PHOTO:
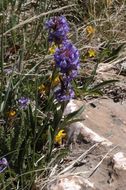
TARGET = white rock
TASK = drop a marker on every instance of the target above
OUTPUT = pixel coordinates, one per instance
(119, 161)
(71, 182)
(77, 128)
(71, 107)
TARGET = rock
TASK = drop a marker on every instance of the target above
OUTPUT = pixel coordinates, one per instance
(71, 182)
(76, 129)
(123, 68)
(103, 67)
(119, 161)
(118, 172)
(79, 129)
(71, 107)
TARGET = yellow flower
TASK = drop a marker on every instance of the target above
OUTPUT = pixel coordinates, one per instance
(90, 30)
(52, 49)
(12, 113)
(92, 53)
(56, 81)
(43, 89)
(59, 137)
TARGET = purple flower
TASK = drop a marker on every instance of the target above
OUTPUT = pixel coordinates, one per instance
(69, 77)
(23, 102)
(8, 71)
(66, 56)
(67, 59)
(3, 164)
(58, 28)
(64, 94)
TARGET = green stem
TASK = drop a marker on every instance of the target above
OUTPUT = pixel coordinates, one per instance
(2, 49)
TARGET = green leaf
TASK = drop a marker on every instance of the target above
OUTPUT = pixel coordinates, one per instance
(31, 119)
(94, 92)
(69, 118)
(8, 92)
(114, 53)
(102, 84)
(75, 113)
(90, 79)
(68, 122)
(50, 140)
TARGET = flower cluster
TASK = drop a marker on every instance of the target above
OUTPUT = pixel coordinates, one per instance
(58, 29)
(59, 137)
(23, 102)
(3, 164)
(12, 113)
(90, 30)
(66, 57)
(67, 60)
(64, 94)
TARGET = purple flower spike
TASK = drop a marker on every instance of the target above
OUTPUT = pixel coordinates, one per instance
(72, 74)
(64, 94)
(58, 28)
(3, 164)
(23, 102)
(8, 71)
(67, 59)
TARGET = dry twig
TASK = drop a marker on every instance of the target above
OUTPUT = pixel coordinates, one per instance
(97, 166)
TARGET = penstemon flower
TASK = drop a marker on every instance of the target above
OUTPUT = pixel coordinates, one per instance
(58, 28)
(3, 164)
(23, 102)
(66, 57)
(64, 94)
